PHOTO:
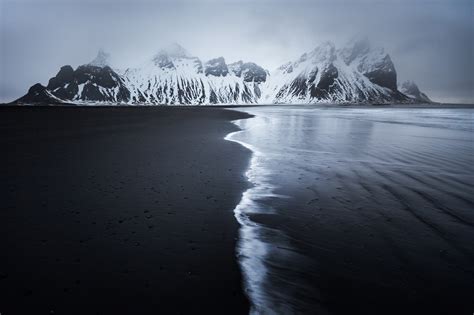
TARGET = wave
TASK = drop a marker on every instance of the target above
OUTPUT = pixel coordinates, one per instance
(264, 254)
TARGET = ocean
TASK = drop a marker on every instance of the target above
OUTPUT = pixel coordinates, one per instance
(357, 209)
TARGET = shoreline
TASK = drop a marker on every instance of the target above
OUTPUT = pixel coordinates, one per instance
(255, 250)
(108, 210)
(433, 105)
(357, 213)
(260, 246)
(250, 251)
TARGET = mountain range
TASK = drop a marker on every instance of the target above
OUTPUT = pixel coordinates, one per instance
(356, 73)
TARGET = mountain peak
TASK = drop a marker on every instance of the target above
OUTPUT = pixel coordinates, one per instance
(354, 48)
(174, 51)
(165, 57)
(323, 52)
(250, 71)
(410, 89)
(216, 67)
(101, 60)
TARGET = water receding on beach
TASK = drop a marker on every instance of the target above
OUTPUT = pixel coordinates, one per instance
(352, 204)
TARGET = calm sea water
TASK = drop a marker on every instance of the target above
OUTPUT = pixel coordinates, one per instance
(361, 198)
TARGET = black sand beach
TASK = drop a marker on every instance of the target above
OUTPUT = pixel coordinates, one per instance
(120, 211)
(124, 210)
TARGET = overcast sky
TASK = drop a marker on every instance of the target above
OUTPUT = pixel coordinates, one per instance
(430, 41)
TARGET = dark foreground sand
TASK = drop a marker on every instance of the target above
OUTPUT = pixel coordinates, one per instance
(119, 211)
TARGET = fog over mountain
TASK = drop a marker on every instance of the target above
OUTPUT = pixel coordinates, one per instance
(430, 42)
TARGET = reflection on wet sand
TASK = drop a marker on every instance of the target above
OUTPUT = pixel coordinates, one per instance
(362, 205)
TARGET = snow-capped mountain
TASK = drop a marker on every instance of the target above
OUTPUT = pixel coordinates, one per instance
(410, 89)
(356, 73)
(174, 77)
(86, 84)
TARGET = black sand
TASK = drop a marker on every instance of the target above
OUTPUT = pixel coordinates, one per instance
(120, 211)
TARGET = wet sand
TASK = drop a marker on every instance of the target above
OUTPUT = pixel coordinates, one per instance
(359, 211)
(120, 211)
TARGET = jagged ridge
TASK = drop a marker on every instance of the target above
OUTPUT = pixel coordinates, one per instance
(357, 73)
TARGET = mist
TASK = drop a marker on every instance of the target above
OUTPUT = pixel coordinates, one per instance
(430, 42)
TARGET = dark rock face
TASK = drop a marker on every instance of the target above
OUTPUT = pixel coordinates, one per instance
(250, 71)
(323, 89)
(65, 74)
(312, 75)
(304, 84)
(410, 89)
(328, 77)
(67, 91)
(374, 63)
(236, 68)
(37, 94)
(86, 83)
(104, 77)
(198, 65)
(253, 73)
(299, 86)
(216, 67)
(384, 74)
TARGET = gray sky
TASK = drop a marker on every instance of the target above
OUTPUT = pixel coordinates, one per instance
(430, 41)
